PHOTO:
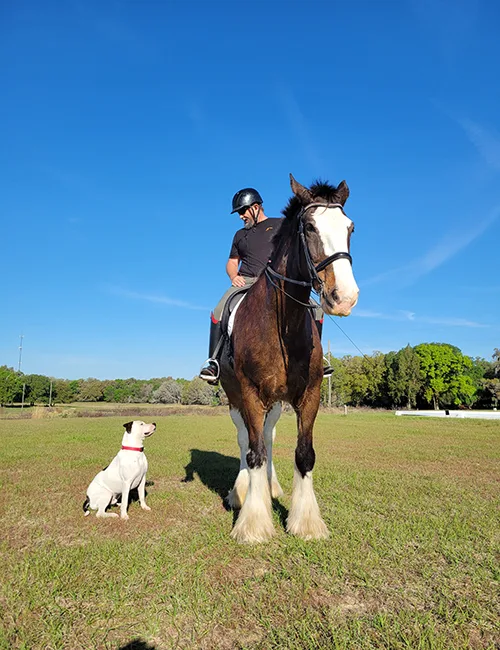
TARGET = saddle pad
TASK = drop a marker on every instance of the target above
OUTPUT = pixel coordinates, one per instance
(233, 314)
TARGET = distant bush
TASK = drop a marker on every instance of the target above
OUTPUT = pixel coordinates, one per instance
(199, 392)
(169, 392)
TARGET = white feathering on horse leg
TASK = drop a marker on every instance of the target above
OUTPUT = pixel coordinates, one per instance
(236, 497)
(269, 435)
(276, 491)
(255, 522)
(304, 519)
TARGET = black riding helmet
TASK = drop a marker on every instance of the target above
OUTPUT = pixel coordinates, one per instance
(245, 198)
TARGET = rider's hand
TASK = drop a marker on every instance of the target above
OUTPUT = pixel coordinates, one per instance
(238, 281)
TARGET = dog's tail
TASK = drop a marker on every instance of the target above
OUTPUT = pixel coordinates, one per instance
(86, 507)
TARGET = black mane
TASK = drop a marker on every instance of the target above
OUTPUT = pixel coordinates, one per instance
(319, 189)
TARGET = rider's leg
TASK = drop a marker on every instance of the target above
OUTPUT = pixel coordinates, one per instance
(210, 372)
(318, 319)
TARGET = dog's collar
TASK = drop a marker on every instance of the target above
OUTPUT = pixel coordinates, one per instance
(133, 448)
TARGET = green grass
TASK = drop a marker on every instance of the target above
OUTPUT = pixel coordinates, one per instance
(412, 560)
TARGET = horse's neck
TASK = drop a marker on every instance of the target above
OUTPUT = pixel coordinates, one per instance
(291, 264)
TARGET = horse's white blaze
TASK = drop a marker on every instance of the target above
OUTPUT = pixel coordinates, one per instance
(304, 519)
(333, 227)
(269, 435)
(255, 522)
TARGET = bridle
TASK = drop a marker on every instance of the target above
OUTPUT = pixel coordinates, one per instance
(311, 267)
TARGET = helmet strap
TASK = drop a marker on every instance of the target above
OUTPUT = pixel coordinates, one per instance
(256, 217)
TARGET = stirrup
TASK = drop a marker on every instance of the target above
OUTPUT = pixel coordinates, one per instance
(207, 376)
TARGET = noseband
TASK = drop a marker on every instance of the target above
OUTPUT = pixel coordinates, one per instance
(311, 267)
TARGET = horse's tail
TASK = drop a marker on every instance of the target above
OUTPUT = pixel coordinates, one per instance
(86, 507)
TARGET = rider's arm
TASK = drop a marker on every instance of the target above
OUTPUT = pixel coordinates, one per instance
(232, 267)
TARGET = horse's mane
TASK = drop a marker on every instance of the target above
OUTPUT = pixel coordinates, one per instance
(319, 190)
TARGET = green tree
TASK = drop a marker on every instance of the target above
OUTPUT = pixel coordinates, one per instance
(199, 392)
(496, 361)
(91, 390)
(64, 391)
(444, 371)
(169, 392)
(403, 377)
(37, 389)
(338, 383)
(375, 371)
(11, 385)
(356, 385)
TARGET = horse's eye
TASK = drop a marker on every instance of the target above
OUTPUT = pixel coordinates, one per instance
(310, 227)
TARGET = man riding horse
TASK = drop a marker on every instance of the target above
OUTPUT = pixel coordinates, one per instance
(250, 252)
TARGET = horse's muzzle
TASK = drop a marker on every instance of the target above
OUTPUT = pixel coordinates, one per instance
(335, 307)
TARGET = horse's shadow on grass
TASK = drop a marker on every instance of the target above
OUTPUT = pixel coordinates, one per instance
(218, 473)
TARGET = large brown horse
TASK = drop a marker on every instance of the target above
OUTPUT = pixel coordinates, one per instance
(275, 355)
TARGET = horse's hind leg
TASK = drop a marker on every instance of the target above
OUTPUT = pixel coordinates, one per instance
(304, 519)
(237, 496)
(269, 434)
(255, 522)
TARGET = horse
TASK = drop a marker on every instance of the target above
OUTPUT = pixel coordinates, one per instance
(275, 355)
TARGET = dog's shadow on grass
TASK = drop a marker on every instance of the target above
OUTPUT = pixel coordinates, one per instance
(137, 644)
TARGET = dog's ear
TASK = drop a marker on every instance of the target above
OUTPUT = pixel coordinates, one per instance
(128, 426)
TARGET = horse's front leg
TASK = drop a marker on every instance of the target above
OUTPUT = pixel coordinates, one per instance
(272, 418)
(304, 519)
(255, 523)
(237, 495)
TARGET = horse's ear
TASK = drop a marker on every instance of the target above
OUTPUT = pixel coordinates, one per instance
(342, 192)
(301, 192)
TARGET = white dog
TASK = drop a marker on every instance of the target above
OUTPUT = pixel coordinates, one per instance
(126, 471)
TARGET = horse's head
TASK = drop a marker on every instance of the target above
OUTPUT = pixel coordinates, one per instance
(327, 231)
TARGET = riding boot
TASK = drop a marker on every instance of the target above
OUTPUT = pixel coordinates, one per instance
(210, 372)
(327, 370)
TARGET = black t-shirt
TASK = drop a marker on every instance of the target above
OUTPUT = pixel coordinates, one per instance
(254, 246)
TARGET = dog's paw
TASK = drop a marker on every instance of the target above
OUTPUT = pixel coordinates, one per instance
(125, 517)
(145, 507)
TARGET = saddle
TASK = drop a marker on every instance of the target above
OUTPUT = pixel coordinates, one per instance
(229, 308)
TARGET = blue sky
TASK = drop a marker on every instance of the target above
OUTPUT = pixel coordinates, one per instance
(127, 126)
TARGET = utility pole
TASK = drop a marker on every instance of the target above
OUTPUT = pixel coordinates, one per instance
(329, 378)
(50, 394)
(20, 352)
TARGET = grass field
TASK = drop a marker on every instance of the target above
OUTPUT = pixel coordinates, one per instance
(412, 561)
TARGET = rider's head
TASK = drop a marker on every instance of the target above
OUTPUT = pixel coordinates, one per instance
(248, 204)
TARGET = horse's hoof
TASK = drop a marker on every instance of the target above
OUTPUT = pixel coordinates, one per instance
(308, 529)
(276, 491)
(246, 534)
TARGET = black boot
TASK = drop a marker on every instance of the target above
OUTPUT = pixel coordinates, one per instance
(327, 370)
(210, 372)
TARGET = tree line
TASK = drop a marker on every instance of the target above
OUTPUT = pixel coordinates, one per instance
(429, 375)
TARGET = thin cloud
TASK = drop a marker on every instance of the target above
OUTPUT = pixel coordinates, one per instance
(163, 300)
(299, 128)
(403, 315)
(448, 247)
(486, 142)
